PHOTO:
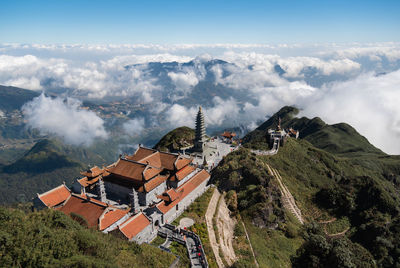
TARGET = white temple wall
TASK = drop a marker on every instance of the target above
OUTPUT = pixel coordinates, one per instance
(146, 235)
(175, 212)
(152, 195)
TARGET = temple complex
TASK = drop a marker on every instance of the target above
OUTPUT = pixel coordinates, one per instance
(278, 137)
(208, 151)
(132, 197)
(140, 193)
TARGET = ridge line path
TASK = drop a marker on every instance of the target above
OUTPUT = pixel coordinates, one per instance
(287, 198)
(212, 206)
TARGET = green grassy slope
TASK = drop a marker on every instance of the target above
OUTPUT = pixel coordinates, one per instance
(51, 239)
(173, 140)
(338, 138)
(358, 186)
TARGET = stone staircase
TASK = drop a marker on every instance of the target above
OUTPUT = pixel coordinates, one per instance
(287, 198)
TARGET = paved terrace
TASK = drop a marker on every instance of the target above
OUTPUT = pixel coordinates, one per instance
(214, 151)
(189, 239)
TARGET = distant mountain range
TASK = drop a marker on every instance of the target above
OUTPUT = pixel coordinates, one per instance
(12, 98)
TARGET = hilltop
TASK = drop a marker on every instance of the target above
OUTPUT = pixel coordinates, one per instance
(341, 183)
(338, 138)
(176, 139)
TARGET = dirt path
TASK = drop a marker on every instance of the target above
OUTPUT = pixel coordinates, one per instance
(337, 234)
(327, 221)
(287, 198)
(226, 226)
(209, 220)
(251, 247)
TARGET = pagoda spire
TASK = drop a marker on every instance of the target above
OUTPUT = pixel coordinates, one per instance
(200, 137)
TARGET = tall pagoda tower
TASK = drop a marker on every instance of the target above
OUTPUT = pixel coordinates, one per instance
(200, 138)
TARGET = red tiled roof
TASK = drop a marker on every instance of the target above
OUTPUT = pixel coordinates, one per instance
(168, 160)
(228, 134)
(164, 197)
(184, 190)
(134, 225)
(93, 172)
(90, 210)
(150, 172)
(182, 162)
(85, 181)
(111, 217)
(128, 169)
(172, 194)
(141, 153)
(184, 172)
(169, 196)
(153, 183)
(156, 159)
(153, 160)
(55, 196)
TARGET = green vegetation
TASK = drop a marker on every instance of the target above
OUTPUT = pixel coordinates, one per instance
(318, 251)
(12, 98)
(273, 248)
(181, 251)
(332, 171)
(338, 138)
(51, 239)
(158, 241)
(44, 166)
(337, 226)
(174, 140)
(256, 191)
(44, 156)
(241, 246)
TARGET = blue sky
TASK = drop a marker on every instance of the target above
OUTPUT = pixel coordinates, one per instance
(174, 22)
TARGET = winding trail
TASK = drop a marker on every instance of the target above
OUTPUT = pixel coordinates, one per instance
(287, 198)
(337, 234)
(209, 221)
(327, 221)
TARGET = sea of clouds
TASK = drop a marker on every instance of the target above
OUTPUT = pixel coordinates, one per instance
(354, 83)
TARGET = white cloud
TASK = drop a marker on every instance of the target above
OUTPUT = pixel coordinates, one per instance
(134, 126)
(369, 103)
(99, 71)
(184, 81)
(221, 111)
(65, 119)
(178, 115)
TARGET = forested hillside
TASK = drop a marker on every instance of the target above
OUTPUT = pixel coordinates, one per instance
(349, 198)
(49, 238)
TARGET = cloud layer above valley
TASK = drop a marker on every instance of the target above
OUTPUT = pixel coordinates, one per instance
(64, 118)
(236, 84)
